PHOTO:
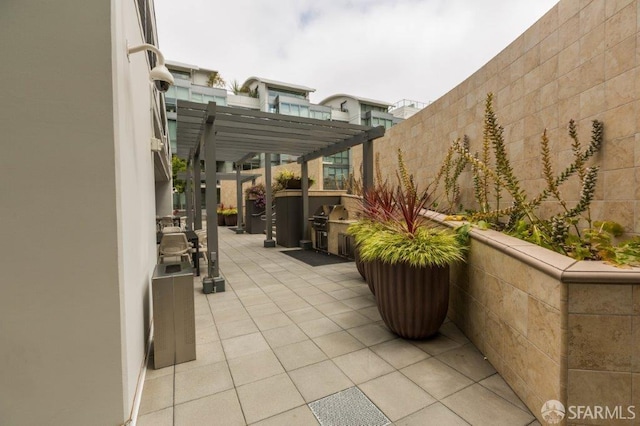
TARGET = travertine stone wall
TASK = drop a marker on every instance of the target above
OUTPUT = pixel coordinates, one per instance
(552, 327)
(604, 346)
(580, 61)
(513, 313)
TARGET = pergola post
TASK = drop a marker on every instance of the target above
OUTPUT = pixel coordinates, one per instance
(367, 165)
(239, 228)
(304, 171)
(197, 174)
(211, 199)
(269, 242)
(189, 193)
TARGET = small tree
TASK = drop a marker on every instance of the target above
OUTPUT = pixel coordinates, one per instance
(216, 80)
(178, 165)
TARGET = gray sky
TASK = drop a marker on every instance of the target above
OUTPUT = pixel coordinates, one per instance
(386, 50)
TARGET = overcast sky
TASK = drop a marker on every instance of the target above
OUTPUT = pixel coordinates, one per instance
(386, 50)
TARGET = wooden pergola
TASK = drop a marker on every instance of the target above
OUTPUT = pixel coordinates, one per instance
(220, 133)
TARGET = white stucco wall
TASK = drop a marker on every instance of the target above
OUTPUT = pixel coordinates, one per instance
(78, 202)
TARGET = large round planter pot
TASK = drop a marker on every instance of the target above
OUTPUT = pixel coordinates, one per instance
(231, 220)
(359, 263)
(221, 221)
(412, 301)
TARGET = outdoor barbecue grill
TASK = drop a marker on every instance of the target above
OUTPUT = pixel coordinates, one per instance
(320, 223)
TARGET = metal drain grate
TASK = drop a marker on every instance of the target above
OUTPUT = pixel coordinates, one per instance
(348, 408)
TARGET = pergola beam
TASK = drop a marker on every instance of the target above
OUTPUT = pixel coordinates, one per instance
(374, 133)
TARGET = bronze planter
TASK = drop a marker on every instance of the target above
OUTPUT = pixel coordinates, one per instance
(413, 302)
(359, 263)
(220, 219)
(231, 220)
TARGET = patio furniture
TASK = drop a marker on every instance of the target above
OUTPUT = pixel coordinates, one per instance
(174, 245)
(166, 221)
(202, 243)
(171, 230)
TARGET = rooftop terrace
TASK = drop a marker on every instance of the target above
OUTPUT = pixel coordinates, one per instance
(285, 336)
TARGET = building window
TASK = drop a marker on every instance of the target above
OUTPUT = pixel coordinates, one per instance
(182, 75)
(173, 138)
(289, 93)
(336, 170)
(293, 109)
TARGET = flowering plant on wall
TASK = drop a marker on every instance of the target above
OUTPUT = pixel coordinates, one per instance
(257, 194)
(503, 203)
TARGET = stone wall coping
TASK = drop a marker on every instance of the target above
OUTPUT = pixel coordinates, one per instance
(556, 265)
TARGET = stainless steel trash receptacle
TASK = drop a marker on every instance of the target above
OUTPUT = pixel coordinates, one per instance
(174, 328)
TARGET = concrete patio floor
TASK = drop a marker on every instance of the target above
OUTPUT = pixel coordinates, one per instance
(284, 335)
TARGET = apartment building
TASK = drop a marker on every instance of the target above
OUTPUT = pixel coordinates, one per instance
(198, 84)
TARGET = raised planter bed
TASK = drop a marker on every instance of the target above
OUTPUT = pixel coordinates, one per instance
(554, 328)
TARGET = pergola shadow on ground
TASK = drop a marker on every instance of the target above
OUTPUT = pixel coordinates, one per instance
(218, 133)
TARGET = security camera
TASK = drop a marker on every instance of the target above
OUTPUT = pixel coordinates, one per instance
(160, 75)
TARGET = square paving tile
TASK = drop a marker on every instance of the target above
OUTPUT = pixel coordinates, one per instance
(236, 328)
(437, 344)
(435, 377)
(350, 319)
(319, 380)
(206, 353)
(244, 345)
(372, 334)
(304, 314)
(157, 395)
(299, 355)
(434, 415)
(157, 418)
(268, 397)
(333, 308)
(283, 336)
(339, 343)
(362, 365)
(254, 367)
(469, 361)
(343, 294)
(348, 408)
(223, 407)
(202, 381)
(478, 406)
(497, 384)
(267, 322)
(318, 299)
(399, 353)
(263, 309)
(319, 327)
(359, 302)
(396, 395)
(298, 416)
(206, 335)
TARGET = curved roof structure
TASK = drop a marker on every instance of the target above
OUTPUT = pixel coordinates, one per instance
(357, 98)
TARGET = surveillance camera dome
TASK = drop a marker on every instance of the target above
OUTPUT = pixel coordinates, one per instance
(162, 86)
(161, 77)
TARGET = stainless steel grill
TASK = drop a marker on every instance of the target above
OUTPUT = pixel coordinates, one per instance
(320, 223)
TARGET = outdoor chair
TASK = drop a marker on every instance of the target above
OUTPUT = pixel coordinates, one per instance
(174, 245)
(202, 243)
(166, 221)
(171, 230)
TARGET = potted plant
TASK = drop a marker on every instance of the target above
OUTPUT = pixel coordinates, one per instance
(286, 179)
(408, 257)
(220, 212)
(230, 216)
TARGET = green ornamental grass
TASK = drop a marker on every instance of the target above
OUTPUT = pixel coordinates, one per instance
(426, 247)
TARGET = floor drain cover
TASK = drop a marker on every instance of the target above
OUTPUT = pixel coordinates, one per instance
(348, 408)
